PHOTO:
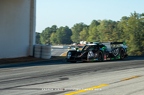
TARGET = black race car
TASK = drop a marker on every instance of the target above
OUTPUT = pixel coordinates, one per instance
(98, 52)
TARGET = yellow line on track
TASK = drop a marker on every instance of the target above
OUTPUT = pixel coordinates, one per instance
(130, 78)
(87, 89)
(64, 54)
(98, 86)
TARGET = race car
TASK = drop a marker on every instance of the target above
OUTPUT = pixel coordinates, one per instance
(98, 51)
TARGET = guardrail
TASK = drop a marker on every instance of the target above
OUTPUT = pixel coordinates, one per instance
(57, 47)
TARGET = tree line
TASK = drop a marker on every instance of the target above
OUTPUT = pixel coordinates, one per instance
(130, 29)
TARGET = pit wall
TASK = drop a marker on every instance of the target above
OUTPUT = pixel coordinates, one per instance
(17, 28)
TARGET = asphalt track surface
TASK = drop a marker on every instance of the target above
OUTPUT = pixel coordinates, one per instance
(58, 77)
(58, 51)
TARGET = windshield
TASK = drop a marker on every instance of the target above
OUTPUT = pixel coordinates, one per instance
(88, 47)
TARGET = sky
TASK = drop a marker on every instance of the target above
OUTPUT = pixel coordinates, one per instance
(70, 12)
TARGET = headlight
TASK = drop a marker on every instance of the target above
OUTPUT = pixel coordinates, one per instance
(69, 55)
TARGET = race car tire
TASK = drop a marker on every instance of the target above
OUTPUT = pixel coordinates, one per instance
(90, 55)
(100, 57)
(122, 56)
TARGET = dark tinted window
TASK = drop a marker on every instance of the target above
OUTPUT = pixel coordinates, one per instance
(90, 47)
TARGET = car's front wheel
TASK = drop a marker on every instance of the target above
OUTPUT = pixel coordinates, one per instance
(100, 57)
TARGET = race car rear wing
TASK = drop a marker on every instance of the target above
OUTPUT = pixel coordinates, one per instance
(116, 42)
(111, 45)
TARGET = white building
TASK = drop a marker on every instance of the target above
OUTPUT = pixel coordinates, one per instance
(17, 28)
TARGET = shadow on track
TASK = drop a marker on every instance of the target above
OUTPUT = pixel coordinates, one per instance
(60, 60)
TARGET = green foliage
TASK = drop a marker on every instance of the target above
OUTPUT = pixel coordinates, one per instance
(132, 28)
(63, 35)
(93, 31)
(53, 38)
(84, 34)
(54, 35)
(106, 29)
(46, 34)
(76, 29)
(38, 38)
(128, 29)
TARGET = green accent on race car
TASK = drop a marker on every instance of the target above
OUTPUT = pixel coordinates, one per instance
(124, 43)
(118, 57)
(112, 58)
(103, 48)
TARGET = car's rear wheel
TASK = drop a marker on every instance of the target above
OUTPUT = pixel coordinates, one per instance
(122, 56)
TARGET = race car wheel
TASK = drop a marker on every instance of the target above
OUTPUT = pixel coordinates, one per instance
(90, 55)
(69, 54)
(122, 56)
(100, 57)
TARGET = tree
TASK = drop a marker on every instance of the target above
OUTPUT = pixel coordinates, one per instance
(38, 38)
(46, 34)
(53, 38)
(135, 27)
(84, 34)
(93, 31)
(76, 29)
(133, 32)
(129, 29)
(115, 36)
(122, 24)
(63, 35)
(106, 29)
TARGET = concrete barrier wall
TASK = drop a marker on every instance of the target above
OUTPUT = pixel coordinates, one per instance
(15, 28)
(42, 51)
(62, 46)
